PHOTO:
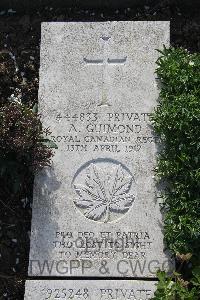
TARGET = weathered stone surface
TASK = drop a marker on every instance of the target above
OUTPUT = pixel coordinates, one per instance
(96, 210)
(89, 289)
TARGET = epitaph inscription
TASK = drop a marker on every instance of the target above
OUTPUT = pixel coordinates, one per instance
(96, 210)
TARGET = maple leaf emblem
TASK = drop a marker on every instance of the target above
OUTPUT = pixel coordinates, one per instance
(104, 193)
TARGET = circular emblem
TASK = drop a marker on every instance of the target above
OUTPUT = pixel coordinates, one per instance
(104, 190)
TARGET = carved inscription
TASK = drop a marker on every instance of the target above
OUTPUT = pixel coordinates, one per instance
(104, 132)
(101, 293)
(104, 245)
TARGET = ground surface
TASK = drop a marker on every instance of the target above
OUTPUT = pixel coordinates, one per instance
(19, 66)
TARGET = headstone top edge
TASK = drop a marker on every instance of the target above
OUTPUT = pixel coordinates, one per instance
(43, 24)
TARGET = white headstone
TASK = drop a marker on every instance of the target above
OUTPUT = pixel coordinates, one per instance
(96, 210)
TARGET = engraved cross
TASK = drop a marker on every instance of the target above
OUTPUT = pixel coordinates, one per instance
(105, 62)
